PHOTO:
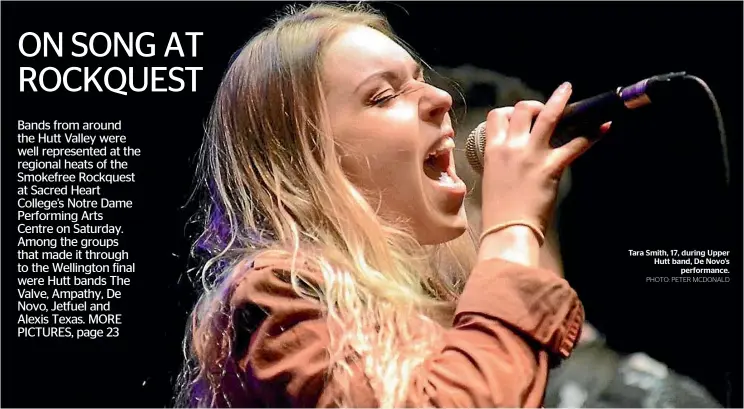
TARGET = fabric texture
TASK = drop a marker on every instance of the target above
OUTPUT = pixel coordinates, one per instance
(511, 323)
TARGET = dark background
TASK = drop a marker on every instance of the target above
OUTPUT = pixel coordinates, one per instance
(654, 183)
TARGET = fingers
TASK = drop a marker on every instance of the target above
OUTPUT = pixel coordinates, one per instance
(513, 126)
(561, 157)
(551, 114)
(521, 121)
(497, 125)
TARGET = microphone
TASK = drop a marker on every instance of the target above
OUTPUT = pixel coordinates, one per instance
(585, 116)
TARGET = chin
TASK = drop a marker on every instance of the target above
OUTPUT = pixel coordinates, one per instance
(445, 229)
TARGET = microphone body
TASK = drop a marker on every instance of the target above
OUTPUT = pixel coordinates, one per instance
(584, 117)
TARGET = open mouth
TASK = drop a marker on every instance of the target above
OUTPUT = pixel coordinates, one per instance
(437, 165)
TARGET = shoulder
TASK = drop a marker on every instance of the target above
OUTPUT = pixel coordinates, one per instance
(285, 330)
(266, 280)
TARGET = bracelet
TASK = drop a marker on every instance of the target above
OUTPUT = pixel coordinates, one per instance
(501, 226)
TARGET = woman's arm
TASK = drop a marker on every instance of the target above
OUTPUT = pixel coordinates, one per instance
(510, 321)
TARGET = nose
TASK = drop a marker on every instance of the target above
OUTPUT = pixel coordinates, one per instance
(434, 104)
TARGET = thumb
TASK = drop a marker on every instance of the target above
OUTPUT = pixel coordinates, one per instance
(561, 157)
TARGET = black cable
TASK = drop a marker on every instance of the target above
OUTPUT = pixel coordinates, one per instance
(719, 123)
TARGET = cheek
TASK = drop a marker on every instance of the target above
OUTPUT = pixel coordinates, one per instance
(381, 149)
(385, 171)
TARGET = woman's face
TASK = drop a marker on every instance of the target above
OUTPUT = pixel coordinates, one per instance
(395, 133)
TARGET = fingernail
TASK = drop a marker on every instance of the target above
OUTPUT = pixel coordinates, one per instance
(565, 87)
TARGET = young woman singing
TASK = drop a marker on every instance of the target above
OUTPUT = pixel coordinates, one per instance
(341, 270)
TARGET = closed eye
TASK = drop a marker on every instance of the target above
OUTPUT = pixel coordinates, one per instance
(383, 99)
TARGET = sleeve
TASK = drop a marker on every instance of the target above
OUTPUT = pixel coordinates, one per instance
(510, 321)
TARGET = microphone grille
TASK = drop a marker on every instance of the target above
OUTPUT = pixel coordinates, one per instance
(475, 146)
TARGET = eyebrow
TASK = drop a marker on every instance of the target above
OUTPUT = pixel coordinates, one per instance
(389, 75)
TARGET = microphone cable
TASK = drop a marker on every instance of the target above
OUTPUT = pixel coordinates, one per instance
(719, 124)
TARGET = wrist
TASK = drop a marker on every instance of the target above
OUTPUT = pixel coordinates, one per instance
(516, 243)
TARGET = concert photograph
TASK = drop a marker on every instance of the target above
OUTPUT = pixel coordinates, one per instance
(362, 204)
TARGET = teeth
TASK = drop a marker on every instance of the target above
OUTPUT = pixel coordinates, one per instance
(446, 145)
(445, 179)
(449, 143)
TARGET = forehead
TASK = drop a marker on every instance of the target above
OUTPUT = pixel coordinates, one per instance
(358, 52)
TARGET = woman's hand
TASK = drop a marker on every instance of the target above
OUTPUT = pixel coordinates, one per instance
(521, 173)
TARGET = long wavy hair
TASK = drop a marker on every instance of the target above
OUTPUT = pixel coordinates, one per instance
(270, 169)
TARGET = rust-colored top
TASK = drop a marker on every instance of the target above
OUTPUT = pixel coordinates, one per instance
(511, 322)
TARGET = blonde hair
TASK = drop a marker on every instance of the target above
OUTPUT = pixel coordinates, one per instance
(272, 172)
